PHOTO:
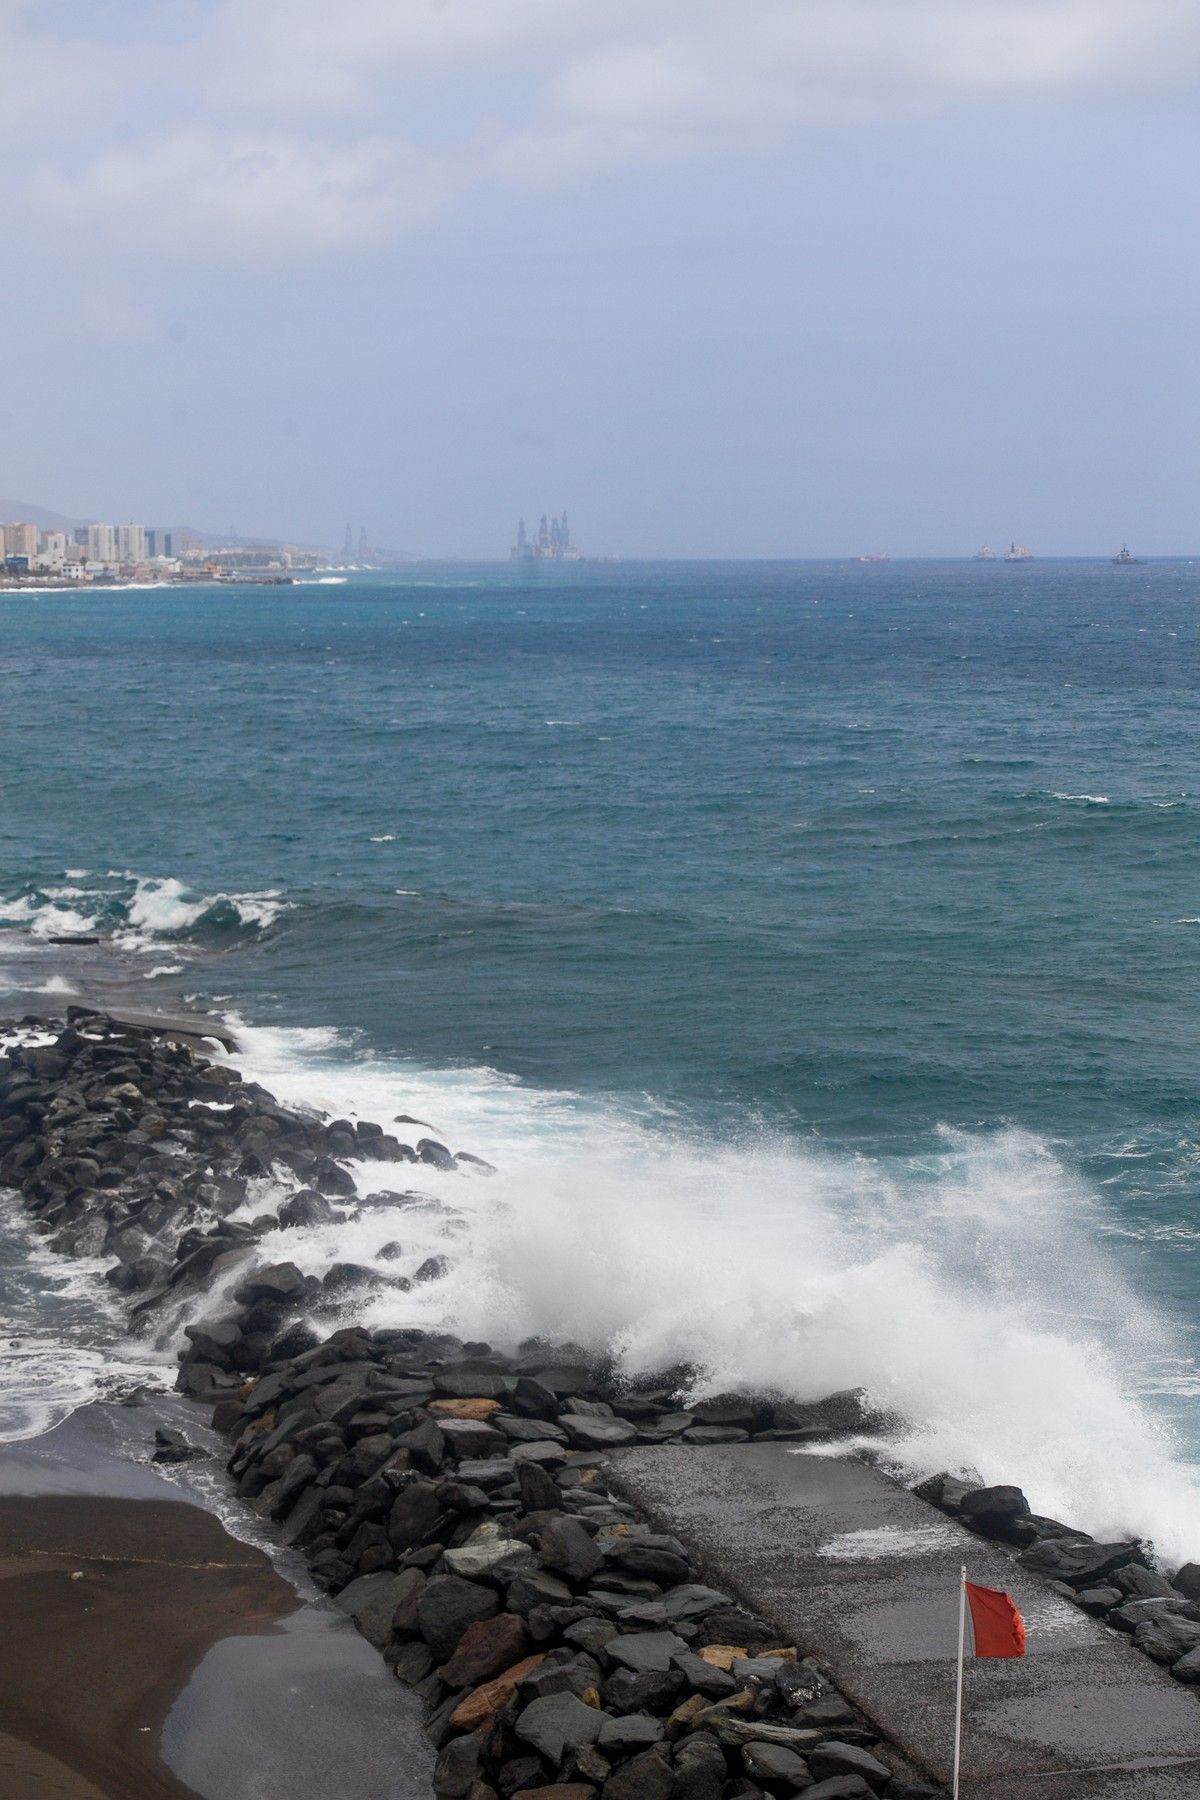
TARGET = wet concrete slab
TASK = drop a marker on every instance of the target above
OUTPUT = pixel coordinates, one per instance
(862, 1574)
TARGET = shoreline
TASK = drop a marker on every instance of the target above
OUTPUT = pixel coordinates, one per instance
(141, 1633)
(456, 1500)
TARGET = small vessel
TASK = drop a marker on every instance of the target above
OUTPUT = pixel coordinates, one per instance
(1018, 553)
(879, 556)
(1123, 559)
(985, 553)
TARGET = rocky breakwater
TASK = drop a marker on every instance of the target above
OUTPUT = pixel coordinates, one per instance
(452, 1499)
(1113, 1581)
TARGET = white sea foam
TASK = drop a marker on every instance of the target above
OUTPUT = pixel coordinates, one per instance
(163, 907)
(1085, 799)
(157, 907)
(969, 1294)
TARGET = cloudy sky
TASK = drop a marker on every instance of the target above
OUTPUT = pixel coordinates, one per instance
(724, 277)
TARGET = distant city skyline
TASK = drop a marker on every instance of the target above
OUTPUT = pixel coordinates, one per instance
(815, 277)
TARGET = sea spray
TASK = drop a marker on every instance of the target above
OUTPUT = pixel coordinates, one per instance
(967, 1291)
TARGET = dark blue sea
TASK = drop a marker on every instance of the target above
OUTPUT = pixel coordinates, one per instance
(813, 947)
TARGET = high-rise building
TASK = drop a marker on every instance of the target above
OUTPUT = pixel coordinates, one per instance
(20, 540)
(131, 543)
(347, 545)
(168, 543)
(102, 544)
(364, 551)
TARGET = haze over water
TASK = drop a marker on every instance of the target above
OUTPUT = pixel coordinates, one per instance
(813, 947)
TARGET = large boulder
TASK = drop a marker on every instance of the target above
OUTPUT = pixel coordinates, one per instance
(483, 1706)
(646, 1777)
(645, 1651)
(1168, 1639)
(569, 1549)
(833, 1758)
(281, 1281)
(459, 1766)
(1187, 1580)
(447, 1605)
(774, 1763)
(486, 1648)
(983, 1504)
(700, 1768)
(558, 1723)
(415, 1512)
(371, 1602)
(597, 1434)
(1081, 1564)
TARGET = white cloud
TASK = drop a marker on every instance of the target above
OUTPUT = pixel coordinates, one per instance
(294, 123)
(250, 195)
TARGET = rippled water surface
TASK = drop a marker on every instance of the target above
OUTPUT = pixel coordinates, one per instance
(819, 942)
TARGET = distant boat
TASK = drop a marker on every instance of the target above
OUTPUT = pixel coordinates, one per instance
(1124, 559)
(1018, 553)
(985, 554)
(879, 556)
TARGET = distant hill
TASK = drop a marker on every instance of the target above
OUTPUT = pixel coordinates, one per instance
(13, 510)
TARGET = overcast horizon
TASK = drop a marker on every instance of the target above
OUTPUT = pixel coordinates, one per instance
(802, 278)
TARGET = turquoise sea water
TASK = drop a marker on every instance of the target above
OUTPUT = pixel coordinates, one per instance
(878, 888)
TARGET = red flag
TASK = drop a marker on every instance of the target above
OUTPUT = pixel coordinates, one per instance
(997, 1626)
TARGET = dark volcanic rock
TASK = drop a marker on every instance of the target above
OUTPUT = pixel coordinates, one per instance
(775, 1763)
(416, 1511)
(556, 1723)
(1187, 1581)
(597, 1434)
(459, 1766)
(486, 1648)
(371, 1602)
(447, 1605)
(569, 1550)
(1078, 1564)
(699, 1768)
(1168, 1639)
(833, 1758)
(305, 1208)
(281, 1281)
(983, 1504)
(631, 1690)
(646, 1777)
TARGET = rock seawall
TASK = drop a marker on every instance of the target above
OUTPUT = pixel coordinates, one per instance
(450, 1497)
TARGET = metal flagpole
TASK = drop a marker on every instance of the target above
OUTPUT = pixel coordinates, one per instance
(962, 1633)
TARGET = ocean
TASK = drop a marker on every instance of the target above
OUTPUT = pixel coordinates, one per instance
(812, 947)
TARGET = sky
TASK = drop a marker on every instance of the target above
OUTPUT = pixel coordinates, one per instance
(721, 277)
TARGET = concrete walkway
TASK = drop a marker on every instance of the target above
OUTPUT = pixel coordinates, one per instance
(862, 1574)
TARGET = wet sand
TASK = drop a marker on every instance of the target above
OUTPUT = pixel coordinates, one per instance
(108, 1606)
(146, 1654)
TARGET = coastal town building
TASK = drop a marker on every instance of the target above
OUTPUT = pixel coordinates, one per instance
(131, 543)
(101, 544)
(20, 539)
(100, 552)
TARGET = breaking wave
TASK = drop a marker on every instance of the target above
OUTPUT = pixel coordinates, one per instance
(968, 1291)
(138, 912)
